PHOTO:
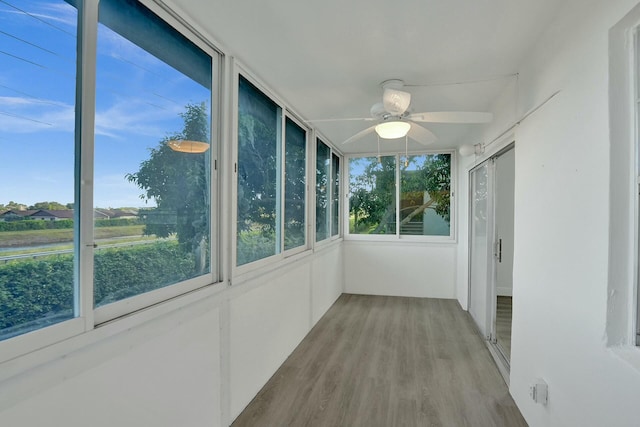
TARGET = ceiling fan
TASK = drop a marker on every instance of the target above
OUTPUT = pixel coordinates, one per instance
(396, 120)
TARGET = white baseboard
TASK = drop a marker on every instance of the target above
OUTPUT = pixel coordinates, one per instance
(504, 292)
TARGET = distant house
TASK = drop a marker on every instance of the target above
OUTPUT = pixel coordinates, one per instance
(15, 214)
(115, 213)
(52, 215)
(100, 214)
(56, 215)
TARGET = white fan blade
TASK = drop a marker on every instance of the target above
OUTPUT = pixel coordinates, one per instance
(452, 117)
(396, 101)
(422, 135)
(351, 119)
(360, 134)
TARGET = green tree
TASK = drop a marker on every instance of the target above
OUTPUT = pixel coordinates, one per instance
(49, 206)
(433, 175)
(13, 206)
(178, 183)
(372, 201)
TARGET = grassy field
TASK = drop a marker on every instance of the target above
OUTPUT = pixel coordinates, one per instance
(10, 239)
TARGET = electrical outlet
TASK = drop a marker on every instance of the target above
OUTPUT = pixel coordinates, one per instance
(539, 391)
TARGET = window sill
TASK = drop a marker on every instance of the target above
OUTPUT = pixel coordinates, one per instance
(327, 243)
(381, 238)
(265, 266)
(629, 354)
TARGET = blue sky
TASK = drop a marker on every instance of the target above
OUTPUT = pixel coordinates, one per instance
(138, 102)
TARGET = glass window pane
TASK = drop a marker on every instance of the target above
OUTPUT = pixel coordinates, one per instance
(323, 218)
(152, 184)
(259, 137)
(37, 140)
(372, 201)
(425, 188)
(295, 176)
(335, 195)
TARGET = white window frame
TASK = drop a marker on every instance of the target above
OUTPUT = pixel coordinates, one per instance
(635, 292)
(332, 150)
(451, 238)
(623, 304)
(87, 317)
(340, 198)
(291, 116)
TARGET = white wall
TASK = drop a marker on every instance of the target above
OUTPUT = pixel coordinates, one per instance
(400, 268)
(561, 229)
(196, 364)
(163, 376)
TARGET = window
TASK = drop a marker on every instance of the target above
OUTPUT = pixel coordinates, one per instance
(372, 201)
(295, 186)
(119, 172)
(272, 179)
(425, 195)
(323, 207)
(37, 146)
(259, 160)
(400, 195)
(327, 192)
(152, 205)
(335, 195)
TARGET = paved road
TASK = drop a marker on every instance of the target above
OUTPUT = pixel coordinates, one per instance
(68, 251)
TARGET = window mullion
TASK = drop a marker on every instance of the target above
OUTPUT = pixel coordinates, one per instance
(636, 83)
(330, 195)
(85, 118)
(280, 183)
(398, 196)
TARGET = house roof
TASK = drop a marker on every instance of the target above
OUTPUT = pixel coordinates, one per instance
(57, 213)
(18, 212)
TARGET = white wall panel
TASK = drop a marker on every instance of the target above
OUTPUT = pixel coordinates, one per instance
(327, 285)
(400, 269)
(168, 380)
(267, 323)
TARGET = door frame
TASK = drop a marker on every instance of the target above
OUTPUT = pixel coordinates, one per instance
(491, 304)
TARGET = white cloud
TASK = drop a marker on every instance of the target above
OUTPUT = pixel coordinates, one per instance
(62, 13)
(134, 116)
(28, 115)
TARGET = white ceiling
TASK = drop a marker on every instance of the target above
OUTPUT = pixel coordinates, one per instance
(327, 58)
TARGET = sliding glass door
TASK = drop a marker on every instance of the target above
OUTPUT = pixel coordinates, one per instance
(480, 248)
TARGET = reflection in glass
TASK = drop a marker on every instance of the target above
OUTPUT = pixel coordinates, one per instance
(335, 195)
(295, 185)
(323, 187)
(425, 182)
(259, 159)
(152, 203)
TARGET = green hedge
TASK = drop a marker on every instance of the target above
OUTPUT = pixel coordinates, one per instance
(118, 222)
(35, 292)
(35, 224)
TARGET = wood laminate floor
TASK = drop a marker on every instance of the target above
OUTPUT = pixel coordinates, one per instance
(387, 361)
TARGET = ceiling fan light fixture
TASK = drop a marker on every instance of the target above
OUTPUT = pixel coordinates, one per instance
(185, 146)
(393, 130)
